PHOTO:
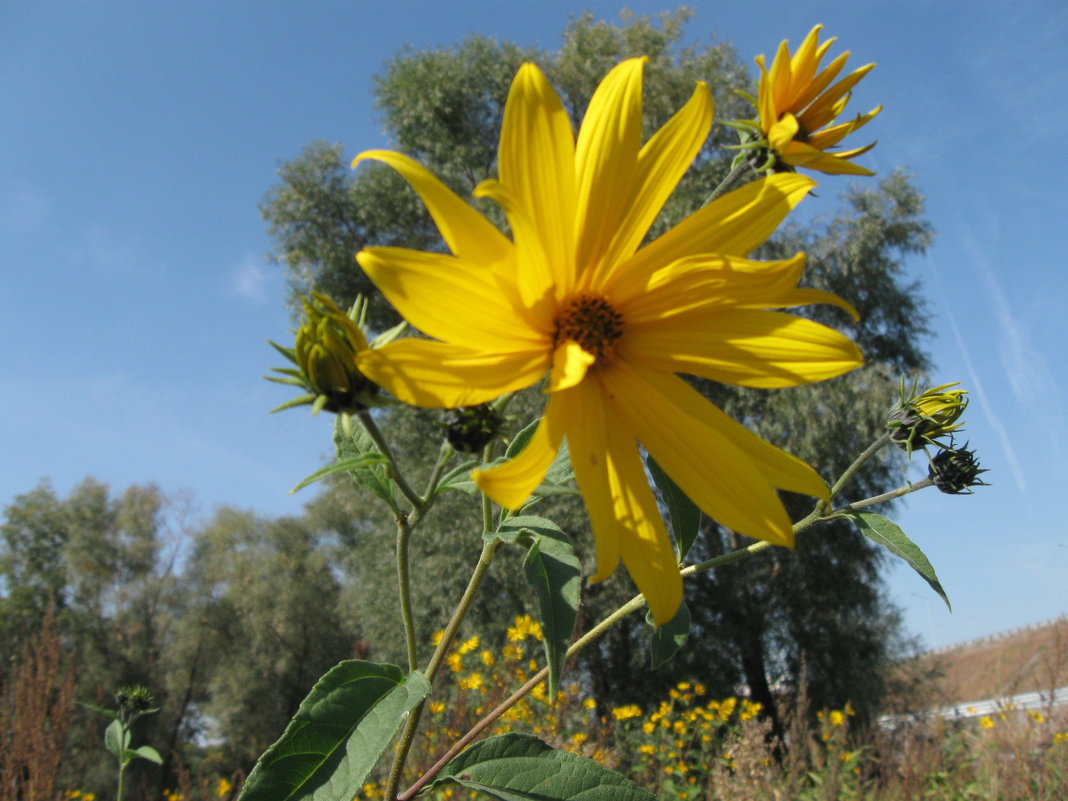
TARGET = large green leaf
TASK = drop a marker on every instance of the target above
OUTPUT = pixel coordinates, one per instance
(518, 767)
(117, 739)
(886, 532)
(337, 735)
(669, 638)
(373, 476)
(553, 571)
(684, 514)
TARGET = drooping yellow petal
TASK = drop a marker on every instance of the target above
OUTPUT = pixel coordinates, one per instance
(587, 443)
(510, 484)
(662, 162)
(570, 363)
(731, 225)
(536, 165)
(450, 299)
(778, 467)
(439, 375)
(644, 544)
(798, 154)
(468, 234)
(713, 472)
(606, 156)
(746, 347)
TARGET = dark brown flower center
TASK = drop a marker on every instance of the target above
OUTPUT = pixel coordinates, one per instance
(590, 321)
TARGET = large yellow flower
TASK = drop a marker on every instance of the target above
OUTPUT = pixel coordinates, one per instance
(795, 103)
(571, 295)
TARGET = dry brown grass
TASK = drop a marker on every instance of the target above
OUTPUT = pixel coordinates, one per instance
(36, 708)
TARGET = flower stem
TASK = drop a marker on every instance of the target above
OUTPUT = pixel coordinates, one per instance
(404, 585)
(394, 468)
(850, 471)
(923, 483)
(728, 182)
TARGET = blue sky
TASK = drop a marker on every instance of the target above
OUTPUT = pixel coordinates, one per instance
(138, 138)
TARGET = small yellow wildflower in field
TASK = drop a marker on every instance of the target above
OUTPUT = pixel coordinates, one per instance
(986, 722)
(223, 787)
(837, 718)
(627, 712)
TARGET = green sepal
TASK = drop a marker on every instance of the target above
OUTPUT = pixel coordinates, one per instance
(887, 533)
(553, 570)
(345, 464)
(459, 478)
(373, 477)
(338, 734)
(684, 514)
(519, 767)
(288, 353)
(300, 400)
(668, 639)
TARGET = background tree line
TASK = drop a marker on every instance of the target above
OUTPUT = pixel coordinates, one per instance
(229, 621)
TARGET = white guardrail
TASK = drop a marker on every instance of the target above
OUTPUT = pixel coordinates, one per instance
(1040, 699)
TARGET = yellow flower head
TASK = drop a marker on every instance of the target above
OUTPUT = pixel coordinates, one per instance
(576, 297)
(797, 105)
(627, 712)
(986, 722)
(920, 418)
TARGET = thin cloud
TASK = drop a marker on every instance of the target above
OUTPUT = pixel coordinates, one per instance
(252, 279)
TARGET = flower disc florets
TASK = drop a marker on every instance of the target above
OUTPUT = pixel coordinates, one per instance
(591, 322)
(955, 471)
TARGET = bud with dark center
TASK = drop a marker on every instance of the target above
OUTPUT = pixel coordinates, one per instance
(955, 471)
(469, 429)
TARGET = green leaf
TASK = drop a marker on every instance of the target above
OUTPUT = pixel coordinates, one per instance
(344, 464)
(117, 739)
(518, 767)
(145, 752)
(337, 735)
(684, 514)
(110, 713)
(886, 532)
(374, 476)
(669, 638)
(459, 478)
(554, 572)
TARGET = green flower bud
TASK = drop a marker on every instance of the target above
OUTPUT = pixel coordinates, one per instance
(469, 429)
(135, 698)
(955, 470)
(919, 420)
(327, 344)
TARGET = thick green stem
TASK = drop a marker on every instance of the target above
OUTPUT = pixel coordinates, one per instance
(444, 455)
(485, 559)
(858, 463)
(886, 496)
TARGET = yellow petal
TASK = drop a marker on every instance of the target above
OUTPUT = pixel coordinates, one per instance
(450, 299)
(587, 444)
(799, 154)
(468, 234)
(731, 225)
(606, 155)
(777, 466)
(511, 483)
(570, 363)
(644, 544)
(820, 112)
(746, 347)
(662, 162)
(713, 472)
(438, 375)
(536, 165)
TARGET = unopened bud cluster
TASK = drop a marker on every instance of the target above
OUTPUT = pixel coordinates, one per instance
(469, 429)
(919, 420)
(325, 351)
(955, 471)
